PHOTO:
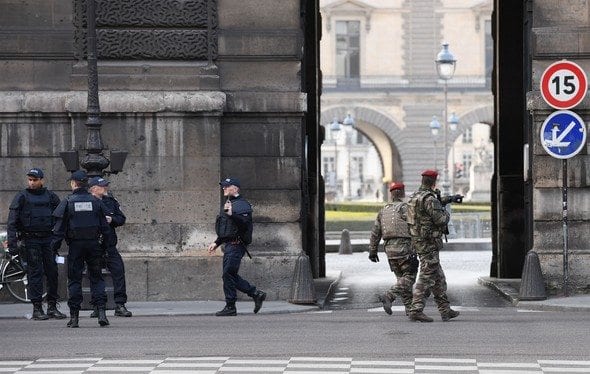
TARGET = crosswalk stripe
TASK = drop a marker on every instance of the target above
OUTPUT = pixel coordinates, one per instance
(508, 371)
(60, 365)
(190, 365)
(381, 371)
(563, 362)
(446, 368)
(383, 363)
(507, 364)
(120, 369)
(292, 365)
(184, 371)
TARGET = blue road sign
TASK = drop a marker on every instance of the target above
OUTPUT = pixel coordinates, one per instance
(563, 134)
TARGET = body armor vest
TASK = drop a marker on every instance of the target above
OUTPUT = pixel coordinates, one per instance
(36, 214)
(83, 217)
(393, 225)
(420, 223)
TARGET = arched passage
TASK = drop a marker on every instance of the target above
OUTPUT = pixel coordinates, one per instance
(379, 129)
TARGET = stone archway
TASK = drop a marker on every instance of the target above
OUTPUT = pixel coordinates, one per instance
(380, 129)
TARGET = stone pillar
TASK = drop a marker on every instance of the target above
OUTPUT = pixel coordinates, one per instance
(559, 33)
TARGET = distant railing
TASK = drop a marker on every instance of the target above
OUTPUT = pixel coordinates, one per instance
(333, 82)
(464, 226)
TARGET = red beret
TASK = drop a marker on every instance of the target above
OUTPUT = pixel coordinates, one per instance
(396, 186)
(430, 173)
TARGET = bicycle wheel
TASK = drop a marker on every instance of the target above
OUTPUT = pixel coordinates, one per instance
(15, 279)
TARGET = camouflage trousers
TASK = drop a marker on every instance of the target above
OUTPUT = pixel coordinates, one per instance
(404, 264)
(405, 270)
(431, 280)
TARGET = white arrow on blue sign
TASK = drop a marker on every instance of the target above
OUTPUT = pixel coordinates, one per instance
(563, 134)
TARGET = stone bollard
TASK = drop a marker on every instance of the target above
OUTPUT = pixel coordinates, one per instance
(345, 246)
(302, 287)
(532, 284)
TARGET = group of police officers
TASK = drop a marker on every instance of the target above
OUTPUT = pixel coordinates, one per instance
(87, 219)
(38, 222)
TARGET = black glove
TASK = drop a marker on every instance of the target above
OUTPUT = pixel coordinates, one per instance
(55, 245)
(373, 256)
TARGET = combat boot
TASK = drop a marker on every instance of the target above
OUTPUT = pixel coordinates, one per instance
(121, 311)
(94, 313)
(53, 312)
(102, 317)
(38, 313)
(420, 317)
(447, 315)
(387, 301)
(74, 314)
(259, 298)
(229, 310)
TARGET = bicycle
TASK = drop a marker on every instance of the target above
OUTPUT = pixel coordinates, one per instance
(13, 275)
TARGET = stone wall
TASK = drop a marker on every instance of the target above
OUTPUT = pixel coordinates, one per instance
(558, 33)
(186, 120)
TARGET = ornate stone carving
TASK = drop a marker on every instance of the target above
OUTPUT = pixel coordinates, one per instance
(150, 29)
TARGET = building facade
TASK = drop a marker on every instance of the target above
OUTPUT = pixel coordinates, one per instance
(378, 65)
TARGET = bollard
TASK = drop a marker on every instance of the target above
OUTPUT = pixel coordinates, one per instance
(345, 246)
(302, 287)
(532, 284)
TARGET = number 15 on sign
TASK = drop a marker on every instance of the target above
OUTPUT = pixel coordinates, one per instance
(563, 84)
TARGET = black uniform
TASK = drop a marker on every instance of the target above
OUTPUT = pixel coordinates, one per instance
(235, 249)
(114, 260)
(80, 219)
(30, 220)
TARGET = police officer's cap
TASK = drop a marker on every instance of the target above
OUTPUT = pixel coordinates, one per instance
(229, 182)
(79, 176)
(35, 173)
(430, 173)
(396, 186)
(98, 181)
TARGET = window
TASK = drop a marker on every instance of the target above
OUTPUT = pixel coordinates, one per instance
(467, 136)
(358, 168)
(467, 157)
(347, 53)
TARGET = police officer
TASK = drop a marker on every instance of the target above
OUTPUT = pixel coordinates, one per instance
(391, 225)
(234, 229)
(427, 220)
(80, 219)
(98, 187)
(30, 220)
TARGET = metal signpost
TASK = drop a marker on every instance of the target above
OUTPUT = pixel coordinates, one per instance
(563, 134)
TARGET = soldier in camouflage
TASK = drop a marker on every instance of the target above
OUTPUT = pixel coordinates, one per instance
(391, 225)
(427, 220)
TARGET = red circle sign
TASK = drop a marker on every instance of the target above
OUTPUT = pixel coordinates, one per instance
(563, 84)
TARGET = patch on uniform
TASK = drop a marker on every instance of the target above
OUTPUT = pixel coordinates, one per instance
(85, 206)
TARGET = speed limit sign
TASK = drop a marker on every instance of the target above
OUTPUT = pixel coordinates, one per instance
(563, 84)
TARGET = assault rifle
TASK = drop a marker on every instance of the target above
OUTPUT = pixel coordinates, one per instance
(448, 199)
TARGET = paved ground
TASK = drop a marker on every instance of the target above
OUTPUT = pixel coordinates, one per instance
(361, 280)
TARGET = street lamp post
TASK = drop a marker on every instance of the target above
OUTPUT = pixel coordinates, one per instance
(445, 67)
(453, 123)
(334, 131)
(94, 161)
(348, 125)
(434, 128)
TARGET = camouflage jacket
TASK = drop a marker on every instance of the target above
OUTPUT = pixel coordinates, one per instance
(426, 219)
(391, 225)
